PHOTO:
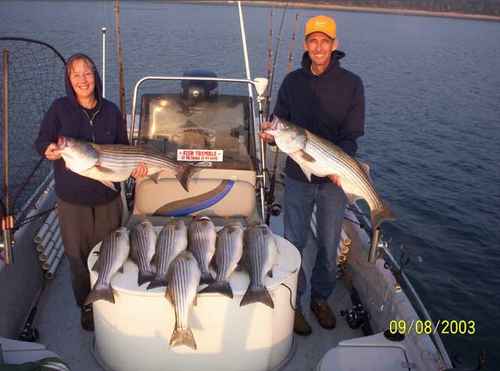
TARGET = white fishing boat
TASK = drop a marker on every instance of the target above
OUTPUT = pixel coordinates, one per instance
(207, 120)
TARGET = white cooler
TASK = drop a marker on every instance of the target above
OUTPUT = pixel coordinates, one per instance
(134, 333)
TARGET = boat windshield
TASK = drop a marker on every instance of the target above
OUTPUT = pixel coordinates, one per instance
(213, 130)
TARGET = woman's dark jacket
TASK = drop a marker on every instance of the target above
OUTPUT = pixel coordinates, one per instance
(66, 117)
(331, 105)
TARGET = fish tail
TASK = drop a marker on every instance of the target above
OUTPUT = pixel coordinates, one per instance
(257, 295)
(144, 277)
(156, 283)
(184, 174)
(380, 215)
(221, 287)
(206, 278)
(105, 293)
(183, 337)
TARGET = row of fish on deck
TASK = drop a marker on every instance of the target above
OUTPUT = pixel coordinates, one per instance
(180, 258)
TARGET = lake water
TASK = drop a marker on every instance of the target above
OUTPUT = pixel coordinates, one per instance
(432, 121)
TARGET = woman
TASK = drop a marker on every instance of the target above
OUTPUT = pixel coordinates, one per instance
(87, 209)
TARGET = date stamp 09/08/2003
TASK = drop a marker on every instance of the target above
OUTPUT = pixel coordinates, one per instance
(428, 327)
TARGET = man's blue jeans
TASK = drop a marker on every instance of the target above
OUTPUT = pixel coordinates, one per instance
(330, 203)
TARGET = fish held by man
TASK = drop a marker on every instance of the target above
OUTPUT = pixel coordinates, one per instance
(113, 254)
(142, 249)
(184, 278)
(201, 242)
(320, 157)
(259, 257)
(228, 252)
(172, 240)
(110, 163)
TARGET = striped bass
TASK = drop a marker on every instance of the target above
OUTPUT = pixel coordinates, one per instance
(109, 163)
(259, 257)
(228, 252)
(172, 240)
(184, 278)
(320, 157)
(201, 242)
(142, 250)
(112, 255)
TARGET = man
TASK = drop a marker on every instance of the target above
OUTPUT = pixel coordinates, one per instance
(328, 101)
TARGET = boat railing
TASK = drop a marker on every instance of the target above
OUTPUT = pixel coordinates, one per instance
(401, 276)
(383, 248)
(255, 83)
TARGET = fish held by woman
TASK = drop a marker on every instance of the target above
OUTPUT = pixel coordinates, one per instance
(110, 163)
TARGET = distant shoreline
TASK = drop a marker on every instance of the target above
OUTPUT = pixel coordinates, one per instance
(304, 5)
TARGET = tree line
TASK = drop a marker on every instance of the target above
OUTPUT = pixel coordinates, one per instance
(482, 7)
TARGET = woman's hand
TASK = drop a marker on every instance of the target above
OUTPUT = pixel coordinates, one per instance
(52, 152)
(140, 171)
(335, 179)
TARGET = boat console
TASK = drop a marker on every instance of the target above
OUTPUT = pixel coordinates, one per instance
(214, 135)
(210, 134)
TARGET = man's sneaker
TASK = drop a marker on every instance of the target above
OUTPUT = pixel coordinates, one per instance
(300, 325)
(323, 313)
(87, 318)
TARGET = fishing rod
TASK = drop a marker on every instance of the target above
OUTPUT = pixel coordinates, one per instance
(103, 47)
(7, 218)
(259, 84)
(119, 55)
(291, 46)
(276, 54)
(269, 58)
(275, 209)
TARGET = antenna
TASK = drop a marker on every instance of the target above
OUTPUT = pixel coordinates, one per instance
(245, 49)
(103, 32)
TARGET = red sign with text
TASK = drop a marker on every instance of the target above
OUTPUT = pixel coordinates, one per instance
(215, 155)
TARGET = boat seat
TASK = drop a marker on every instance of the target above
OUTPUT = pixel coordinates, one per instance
(14, 352)
(216, 192)
(374, 353)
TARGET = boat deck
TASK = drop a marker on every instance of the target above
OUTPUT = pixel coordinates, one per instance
(58, 322)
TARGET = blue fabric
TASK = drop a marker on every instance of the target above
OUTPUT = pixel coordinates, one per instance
(330, 201)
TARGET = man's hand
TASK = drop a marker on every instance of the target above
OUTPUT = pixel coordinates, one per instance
(52, 153)
(335, 179)
(266, 137)
(140, 171)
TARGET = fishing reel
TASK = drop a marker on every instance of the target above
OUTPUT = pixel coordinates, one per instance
(275, 209)
(30, 334)
(356, 317)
